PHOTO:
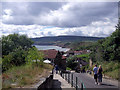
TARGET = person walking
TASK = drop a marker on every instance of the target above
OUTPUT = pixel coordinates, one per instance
(56, 68)
(95, 69)
(99, 72)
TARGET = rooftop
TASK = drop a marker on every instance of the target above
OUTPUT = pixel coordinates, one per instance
(51, 53)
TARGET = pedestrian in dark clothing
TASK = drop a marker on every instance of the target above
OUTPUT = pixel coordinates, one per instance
(56, 68)
(99, 72)
(83, 70)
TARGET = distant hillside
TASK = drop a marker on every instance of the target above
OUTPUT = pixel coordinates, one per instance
(50, 40)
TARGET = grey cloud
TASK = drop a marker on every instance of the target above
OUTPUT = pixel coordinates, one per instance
(77, 33)
(92, 12)
(24, 13)
(79, 14)
(43, 7)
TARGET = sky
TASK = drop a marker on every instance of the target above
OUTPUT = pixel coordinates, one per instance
(39, 19)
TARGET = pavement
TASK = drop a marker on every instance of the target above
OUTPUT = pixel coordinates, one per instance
(88, 81)
(60, 83)
(107, 80)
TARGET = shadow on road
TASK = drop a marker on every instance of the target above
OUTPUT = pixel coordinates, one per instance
(56, 85)
(107, 84)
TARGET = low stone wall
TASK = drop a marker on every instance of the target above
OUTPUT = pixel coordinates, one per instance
(47, 83)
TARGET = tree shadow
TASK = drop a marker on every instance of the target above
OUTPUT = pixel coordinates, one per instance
(107, 84)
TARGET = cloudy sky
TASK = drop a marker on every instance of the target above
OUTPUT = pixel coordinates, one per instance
(38, 19)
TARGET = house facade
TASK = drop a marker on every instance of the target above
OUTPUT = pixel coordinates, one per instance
(50, 54)
(55, 57)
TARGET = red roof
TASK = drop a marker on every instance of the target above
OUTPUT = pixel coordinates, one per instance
(78, 51)
(82, 51)
(51, 53)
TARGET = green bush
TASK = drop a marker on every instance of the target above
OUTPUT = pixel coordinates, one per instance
(83, 57)
(14, 41)
(15, 58)
(68, 68)
(14, 50)
(34, 54)
(71, 63)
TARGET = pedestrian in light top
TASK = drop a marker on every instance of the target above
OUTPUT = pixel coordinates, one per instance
(95, 69)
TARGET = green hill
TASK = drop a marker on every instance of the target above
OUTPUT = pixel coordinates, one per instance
(49, 40)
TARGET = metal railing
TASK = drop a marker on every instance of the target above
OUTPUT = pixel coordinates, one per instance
(73, 80)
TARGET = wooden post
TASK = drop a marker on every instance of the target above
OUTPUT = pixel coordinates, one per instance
(61, 73)
(68, 78)
(72, 79)
(81, 86)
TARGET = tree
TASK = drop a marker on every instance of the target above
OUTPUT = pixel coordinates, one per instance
(13, 41)
(34, 54)
(58, 59)
(14, 50)
(108, 49)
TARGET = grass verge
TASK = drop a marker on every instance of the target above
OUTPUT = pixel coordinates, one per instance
(24, 75)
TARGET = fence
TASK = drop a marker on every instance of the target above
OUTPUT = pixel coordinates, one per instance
(71, 79)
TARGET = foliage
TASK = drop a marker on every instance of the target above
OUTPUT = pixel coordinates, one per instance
(34, 54)
(106, 52)
(14, 41)
(82, 45)
(17, 61)
(58, 59)
(107, 49)
(83, 57)
(68, 68)
(71, 63)
(14, 50)
(16, 58)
